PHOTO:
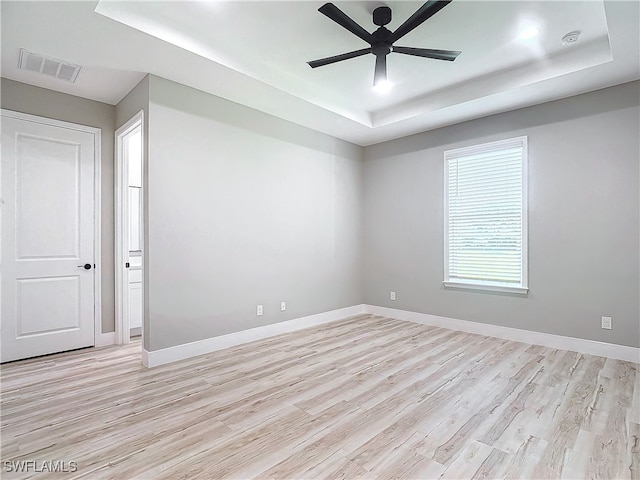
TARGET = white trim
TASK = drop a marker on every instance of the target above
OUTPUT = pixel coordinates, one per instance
(121, 296)
(589, 347)
(106, 339)
(179, 352)
(48, 121)
(525, 212)
(97, 204)
(201, 347)
(487, 288)
(149, 361)
(97, 241)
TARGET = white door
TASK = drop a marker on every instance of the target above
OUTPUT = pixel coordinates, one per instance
(136, 300)
(133, 157)
(129, 216)
(48, 259)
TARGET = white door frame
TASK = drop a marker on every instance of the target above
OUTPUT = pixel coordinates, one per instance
(97, 211)
(122, 228)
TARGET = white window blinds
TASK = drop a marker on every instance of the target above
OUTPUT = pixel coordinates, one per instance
(486, 216)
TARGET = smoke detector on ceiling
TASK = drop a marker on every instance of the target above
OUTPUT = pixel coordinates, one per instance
(571, 37)
(52, 67)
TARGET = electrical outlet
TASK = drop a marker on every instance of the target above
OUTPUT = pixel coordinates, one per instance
(259, 310)
(283, 306)
(393, 295)
(606, 323)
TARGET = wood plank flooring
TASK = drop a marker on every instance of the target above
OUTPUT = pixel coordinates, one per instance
(365, 397)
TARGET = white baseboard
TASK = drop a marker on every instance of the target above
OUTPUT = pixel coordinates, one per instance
(105, 339)
(172, 354)
(590, 347)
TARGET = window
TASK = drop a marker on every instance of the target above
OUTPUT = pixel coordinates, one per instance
(485, 244)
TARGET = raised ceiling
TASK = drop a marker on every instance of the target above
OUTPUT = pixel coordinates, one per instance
(255, 53)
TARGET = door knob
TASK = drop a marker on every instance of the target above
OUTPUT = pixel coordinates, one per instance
(86, 266)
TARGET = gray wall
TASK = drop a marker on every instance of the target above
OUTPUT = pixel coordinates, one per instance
(137, 99)
(24, 98)
(584, 157)
(244, 209)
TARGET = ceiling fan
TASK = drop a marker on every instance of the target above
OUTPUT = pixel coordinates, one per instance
(381, 41)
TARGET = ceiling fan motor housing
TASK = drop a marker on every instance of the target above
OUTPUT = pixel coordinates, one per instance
(381, 49)
(382, 44)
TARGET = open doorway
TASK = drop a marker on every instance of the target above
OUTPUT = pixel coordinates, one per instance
(129, 219)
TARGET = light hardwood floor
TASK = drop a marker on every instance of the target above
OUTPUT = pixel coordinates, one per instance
(366, 397)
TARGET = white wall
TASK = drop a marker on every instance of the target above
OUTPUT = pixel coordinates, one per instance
(584, 202)
(244, 209)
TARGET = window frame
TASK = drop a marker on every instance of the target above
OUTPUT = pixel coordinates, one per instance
(491, 286)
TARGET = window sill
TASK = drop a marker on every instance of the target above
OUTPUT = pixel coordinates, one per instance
(486, 288)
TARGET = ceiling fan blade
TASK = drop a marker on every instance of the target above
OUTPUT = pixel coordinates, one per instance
(341, 18)
(423, 13)
(380, 74)
(449, 55)
(338, 58)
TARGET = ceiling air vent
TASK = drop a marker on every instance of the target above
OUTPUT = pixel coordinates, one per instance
(52, 67)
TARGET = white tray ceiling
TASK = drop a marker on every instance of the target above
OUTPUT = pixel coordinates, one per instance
(255, 53)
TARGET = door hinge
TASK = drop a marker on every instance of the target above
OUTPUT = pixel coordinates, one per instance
(126, 265)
